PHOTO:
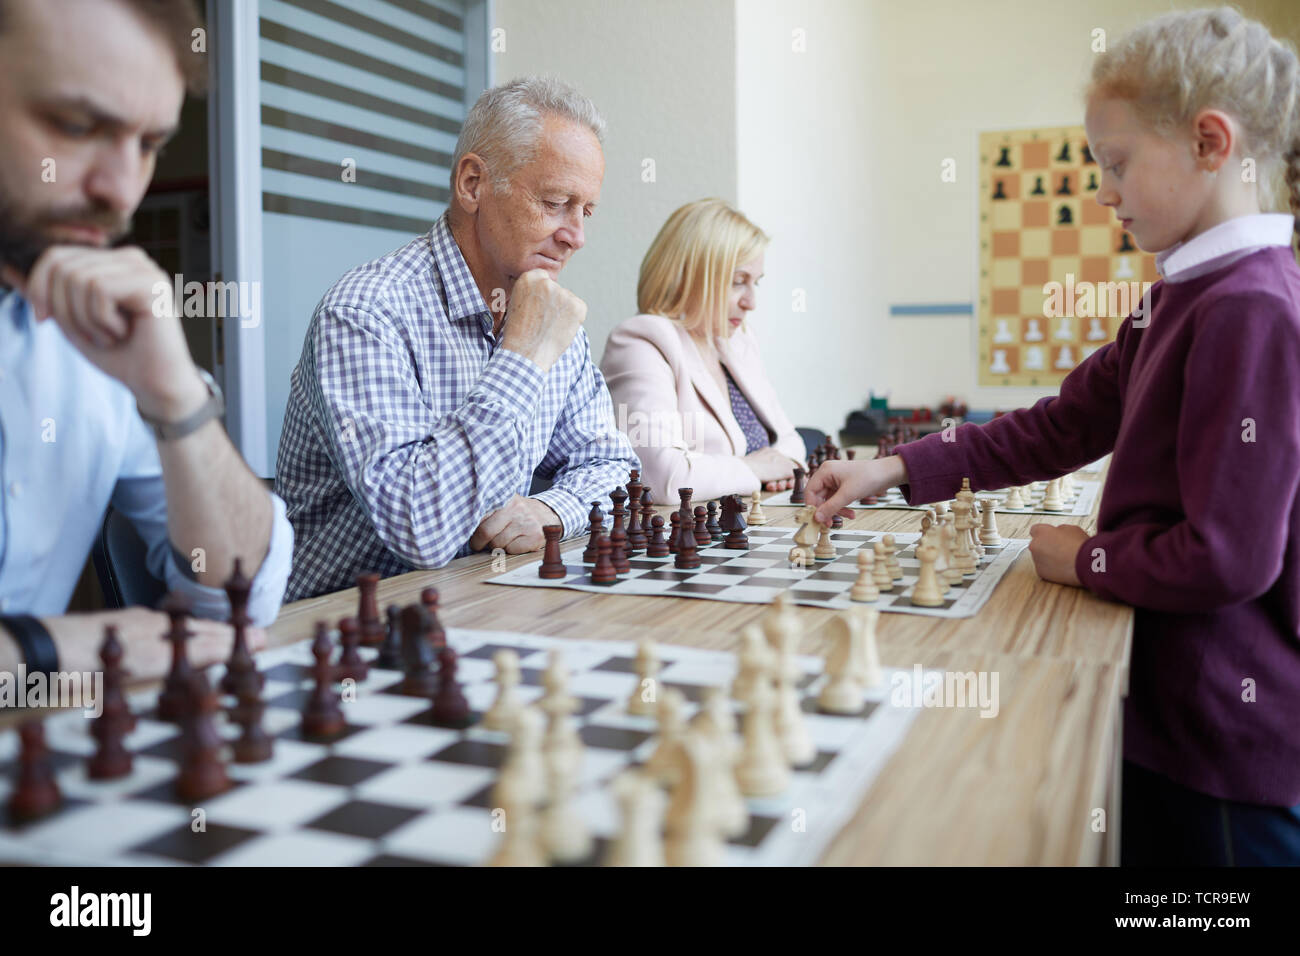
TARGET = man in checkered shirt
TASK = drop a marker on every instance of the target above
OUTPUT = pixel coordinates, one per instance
(435, 380)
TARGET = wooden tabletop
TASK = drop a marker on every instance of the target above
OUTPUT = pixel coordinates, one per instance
(1019, 788)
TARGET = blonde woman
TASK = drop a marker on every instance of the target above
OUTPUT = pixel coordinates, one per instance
(687, 380)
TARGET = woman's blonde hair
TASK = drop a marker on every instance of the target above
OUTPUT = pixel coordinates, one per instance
(687, 272)
(1176, 65)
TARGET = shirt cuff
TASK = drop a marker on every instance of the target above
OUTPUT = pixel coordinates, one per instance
(572, 512)
(929, 471)
(511, 380)
(268, 584)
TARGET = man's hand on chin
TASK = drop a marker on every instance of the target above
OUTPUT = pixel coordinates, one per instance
(516, 527)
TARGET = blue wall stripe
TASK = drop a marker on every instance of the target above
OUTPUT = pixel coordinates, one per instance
(938, 308)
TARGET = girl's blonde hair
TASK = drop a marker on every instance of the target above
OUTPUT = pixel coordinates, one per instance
(1176, 65)
(687, 272)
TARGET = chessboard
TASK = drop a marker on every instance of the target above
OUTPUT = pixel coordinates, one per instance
(1041, 229)
(1080, 504)
(393, 789)
(759, 574)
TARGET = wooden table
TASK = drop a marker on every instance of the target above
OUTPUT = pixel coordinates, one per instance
(1019, 788)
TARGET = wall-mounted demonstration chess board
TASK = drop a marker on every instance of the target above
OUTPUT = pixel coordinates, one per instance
(1039, 222)
(394, 788)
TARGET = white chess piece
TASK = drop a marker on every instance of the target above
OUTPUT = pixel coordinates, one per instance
(564, 831)
(756, 514)
(864, 588)
(762, 770)
(1123, 269)
(882, 576)
(693, 836)
(989, 535)
(841, 694)
(1033, 333)
(642, 699)
(505, 709)
(1065, 329)
(867, 656)
(754, 660)
(641, 806)
(796, 742)
(927, 592)
(672, 725)
(1003, 334)
(891, 558)
(717, 722)
(825, 550)
(1052, 496)
(1065, 358)
(999, 365)
(1014, 500)
(1034, 358)
(1096, 332)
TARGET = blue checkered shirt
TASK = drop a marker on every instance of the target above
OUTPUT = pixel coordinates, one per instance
(408, 423)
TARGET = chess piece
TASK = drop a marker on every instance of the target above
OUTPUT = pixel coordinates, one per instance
(674, 536)
(762, 770)
(882, 577)
(36, 792)
(1000, 191)
(703, 537)
(662, 764)
(350, 665)
(842, 693)
(657, 547)
(390, 652)
(596, 520)
(641, 806)
(754, 660)
(636, 541)
(692, 834)
(1004, 156)
(564, 834)
(864, 588)
(450, 709)
(111, 759)
(733, 511)
(506, 708)
(891, 558)
(963, 558)
(1015, 500)
(756, 515)
(717, 723)
(989, 535)
(322, 717)
(173, 701)
(927, 592)
(797, 492)
(1052, 496)
(433, 630)
(866, 659)
(642, 699)
(603, 572)
(803, 554)
(417, 655)
(202, 773)
(711, 522)
(241, 671)
(647, 515)
(688, 556)
(552, 566)
(518, 791)
(791, 728)
(253, 745)
(618, 545)
(1038, 189)
(825, 550)
(373, 631)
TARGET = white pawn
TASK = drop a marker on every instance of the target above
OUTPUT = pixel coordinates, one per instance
(505, 709)
(1014, 499)
(641, 806)
(948, 544)
(1052, 496)
(716, 721)
(520, 844)
(564, 831)
(754, 660)
(762, 770)
(756, 514)
(884, 580)
(927, 592)
(672, 724)
(989, 535)
(891, 558)
(642, 699)
(796, 741)
(825, 550)
(864, 588)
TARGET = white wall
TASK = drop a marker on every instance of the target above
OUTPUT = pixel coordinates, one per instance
(663, 74)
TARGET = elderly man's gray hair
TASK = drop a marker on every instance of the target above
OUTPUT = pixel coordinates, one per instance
(505, 124)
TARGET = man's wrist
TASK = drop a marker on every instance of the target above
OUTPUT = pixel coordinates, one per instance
(178, 400)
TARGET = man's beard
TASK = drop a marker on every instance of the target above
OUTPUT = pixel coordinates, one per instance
(22, 241)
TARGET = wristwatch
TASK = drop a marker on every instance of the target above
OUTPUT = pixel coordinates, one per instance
(214, 407)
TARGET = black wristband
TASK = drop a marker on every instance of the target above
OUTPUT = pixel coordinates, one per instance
(39, 653)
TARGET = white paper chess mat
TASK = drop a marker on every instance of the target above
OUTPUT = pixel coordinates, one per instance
(395, 789)
(758, 575)
(1086, 491)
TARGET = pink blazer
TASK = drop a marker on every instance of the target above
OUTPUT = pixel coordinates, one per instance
(681, 426)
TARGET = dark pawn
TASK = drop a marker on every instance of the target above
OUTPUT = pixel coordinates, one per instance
(688, 556)
(372, 628)
(241, 671)
(253, 746)
(434, 633)
(322, 717)
(36, 792)
(702, 537)
(111, 759)
(604, 571)
(390, 654)
(618, 548)
(675, 532)
(658, 547)
(350, 665)
(417, 654)
(596, 525)
(202, 774)
(450, 709)
(796, 493)
(647, 514)
(1126, 243)
(173, 702)
(837, 522)
(552, 563)
(714, 529)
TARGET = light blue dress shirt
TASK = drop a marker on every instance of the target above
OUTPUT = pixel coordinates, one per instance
(71, 442)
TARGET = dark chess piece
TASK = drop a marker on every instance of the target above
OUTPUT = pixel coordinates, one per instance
(1064, 217)
(711, 524)
(202, 774)
(436, 636)
(111, 759)
(241, 670)
(36, 792)
(619, 513)
(350, 665)
(596, 520)
(417, 654)
(647, 514)
(1092, 183)
(837, 522)
(1000, 192)
(733, 510)
(390, 653)
(618, 548)
(1126, 243)
(372, 628)
(796, 493)
(552, 563)
(675, 532)
(1064, 188)
(1087, 154)
(604, 571)
(1038, 189)
(174, 701)
(812, 465)
(688, 556)
(636, 541)
(1004, 156)
(450, 709)
(322, 717)
(253, 745)
(658, 547)
(686, 512)
(1064, 155)
(702, 537)
(850, 454)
